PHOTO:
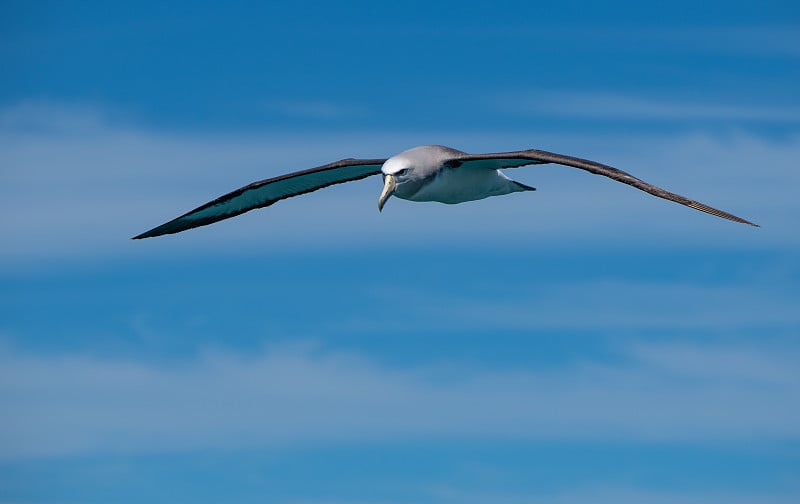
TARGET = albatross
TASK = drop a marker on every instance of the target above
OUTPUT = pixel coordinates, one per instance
(426, 173)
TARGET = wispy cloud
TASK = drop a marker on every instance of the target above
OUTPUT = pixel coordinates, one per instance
(84, 195)
(599, 305)
(742, 40)
(612, 106)
(35, 116)
(74, 404)
(614, 495)
(763, 40)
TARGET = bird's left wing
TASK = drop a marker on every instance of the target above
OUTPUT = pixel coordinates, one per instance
(266, 192)
(528, 157)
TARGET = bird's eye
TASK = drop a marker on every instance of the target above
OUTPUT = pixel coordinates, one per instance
(402, 172)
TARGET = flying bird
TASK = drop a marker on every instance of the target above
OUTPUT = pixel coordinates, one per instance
(427, 173)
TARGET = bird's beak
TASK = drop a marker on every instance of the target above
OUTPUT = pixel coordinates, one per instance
(389, 186)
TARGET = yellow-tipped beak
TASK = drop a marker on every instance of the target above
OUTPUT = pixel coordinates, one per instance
(389, 185)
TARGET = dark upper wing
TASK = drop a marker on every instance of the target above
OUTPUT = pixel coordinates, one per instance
(267, 192)
(527, 157)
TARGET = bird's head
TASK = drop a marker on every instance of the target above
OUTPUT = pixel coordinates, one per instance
(397, 171)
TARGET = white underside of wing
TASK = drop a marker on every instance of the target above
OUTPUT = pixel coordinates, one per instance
(265, 193)
(253, 198)
(258, 196)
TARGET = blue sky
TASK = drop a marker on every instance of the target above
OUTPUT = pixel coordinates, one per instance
(583, 343)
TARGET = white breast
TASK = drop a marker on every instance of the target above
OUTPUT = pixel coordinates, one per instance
(463, 184)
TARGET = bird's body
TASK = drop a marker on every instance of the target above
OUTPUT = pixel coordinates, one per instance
(427, 173)
(470, 184)
(436, 180)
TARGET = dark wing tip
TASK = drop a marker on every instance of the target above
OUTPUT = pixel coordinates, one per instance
(171, 227)
(719, 213)
(148, 234)
(185, 222)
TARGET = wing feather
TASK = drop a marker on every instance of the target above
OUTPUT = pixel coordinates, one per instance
(266, 192)
(527, 157)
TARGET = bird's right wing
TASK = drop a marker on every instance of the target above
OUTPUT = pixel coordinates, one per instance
(527, 157)
(266, 192)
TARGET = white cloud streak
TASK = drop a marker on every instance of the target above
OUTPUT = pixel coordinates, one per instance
(759, 40)
(595, 305)
(79, 186)
(609, 106)
(612, 495)
(79, 404)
